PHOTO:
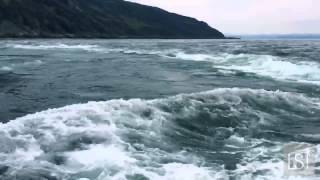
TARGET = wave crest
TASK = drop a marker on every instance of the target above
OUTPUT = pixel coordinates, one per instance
(154, 139)
(86, 47)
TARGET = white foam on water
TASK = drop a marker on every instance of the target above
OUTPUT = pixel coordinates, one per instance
(168, 53)
(135, 51)
(195, 57)
(6, 68)
(36, 62)
(276, 171)
(92, 138)
(99, 155)
(12, 66)
(177, 171)
(29, 154)
(271, 66)
(263, 65)
(86, 47)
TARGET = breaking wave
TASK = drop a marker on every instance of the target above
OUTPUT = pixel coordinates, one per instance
(12, 66)
(279, 68)
(6, 68)
(188, 136)
(60, 46)
(271, 66)
(262, 65)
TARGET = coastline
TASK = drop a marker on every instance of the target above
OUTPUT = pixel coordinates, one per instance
(109, 37)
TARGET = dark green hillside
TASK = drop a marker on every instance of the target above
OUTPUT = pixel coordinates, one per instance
(96, 19)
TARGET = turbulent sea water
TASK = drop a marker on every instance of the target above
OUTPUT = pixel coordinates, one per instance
(155, 109)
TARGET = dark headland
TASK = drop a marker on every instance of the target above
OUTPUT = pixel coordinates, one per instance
(96, 19)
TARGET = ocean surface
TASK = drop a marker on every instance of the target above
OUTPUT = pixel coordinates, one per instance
(155, 109)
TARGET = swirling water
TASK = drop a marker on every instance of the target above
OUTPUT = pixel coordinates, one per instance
(155, 109)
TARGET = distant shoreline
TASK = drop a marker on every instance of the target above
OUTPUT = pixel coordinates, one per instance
(280, 36)
(120, 38)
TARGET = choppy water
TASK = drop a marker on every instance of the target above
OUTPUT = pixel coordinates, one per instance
(159, 109)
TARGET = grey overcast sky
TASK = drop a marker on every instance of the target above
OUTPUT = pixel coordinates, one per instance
(249, 16)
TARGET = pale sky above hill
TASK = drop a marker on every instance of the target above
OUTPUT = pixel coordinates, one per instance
(249, 16)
